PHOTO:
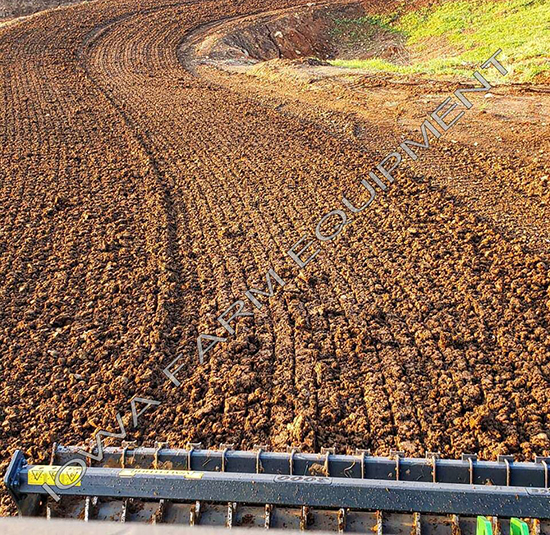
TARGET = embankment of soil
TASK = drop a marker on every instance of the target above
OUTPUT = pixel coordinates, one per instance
(310, 31)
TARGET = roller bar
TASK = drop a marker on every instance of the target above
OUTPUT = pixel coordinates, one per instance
(369, 494)
(25, 481)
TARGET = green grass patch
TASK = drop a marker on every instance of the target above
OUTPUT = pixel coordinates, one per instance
(361, 29)
(474, 30)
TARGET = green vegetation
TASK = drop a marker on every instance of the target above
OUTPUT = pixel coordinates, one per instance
(356, 30)
(454, 36)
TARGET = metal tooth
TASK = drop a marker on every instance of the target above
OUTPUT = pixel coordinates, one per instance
(544, 461)
(53, 452)
(362, 454)
(126, 445)
(471, 458)
(159, 446)
(341, 520)
(495, 522)
(305, 517)
(506, 459)
(231, 510)
(225, 448)
(292, 451)
(195, 514)
(397, 455)
(455, 525)
(327, 452)
(158, 515)
(433, 456)
(268, 511)
(89, 507)
(417, 525)
(91, 446)
(379, 522)
(124, 510)
(258, 449)
(192, 446)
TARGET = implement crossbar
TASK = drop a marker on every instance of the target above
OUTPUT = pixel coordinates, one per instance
(287, 490)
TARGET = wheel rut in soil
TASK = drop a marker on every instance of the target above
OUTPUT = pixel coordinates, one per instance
(141, 194)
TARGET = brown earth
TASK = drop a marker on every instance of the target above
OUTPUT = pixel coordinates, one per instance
(18, 8)
(141, 193)
(298, 33)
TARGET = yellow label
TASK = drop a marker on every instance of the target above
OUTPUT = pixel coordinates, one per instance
(41, 475)
(131, 472)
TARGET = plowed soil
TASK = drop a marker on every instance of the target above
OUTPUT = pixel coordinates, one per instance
(141, 194)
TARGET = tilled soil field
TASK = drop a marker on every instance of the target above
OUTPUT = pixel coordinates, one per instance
(18, 8)
(139, 198)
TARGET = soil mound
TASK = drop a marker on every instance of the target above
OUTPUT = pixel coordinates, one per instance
(311, 31)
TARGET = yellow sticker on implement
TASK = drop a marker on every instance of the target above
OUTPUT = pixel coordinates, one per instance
(131, 472)
(42, 475)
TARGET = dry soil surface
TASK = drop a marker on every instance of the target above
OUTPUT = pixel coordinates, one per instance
(142, 193)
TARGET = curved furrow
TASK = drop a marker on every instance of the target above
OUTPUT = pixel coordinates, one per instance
(140, 199)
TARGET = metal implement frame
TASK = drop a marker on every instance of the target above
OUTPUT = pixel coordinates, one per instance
(294, 488)
(468, 470)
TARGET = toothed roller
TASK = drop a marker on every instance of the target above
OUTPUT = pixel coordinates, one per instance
(325, 491)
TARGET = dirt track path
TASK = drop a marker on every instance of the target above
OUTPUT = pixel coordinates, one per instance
(138, 201)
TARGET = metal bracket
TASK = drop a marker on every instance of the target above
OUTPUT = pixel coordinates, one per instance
(507, 460)
(231, 512)
(471, 458)
(397, 455)
(432, 457)
(291, 451)
(126, 445)
(158, 515)
(545, 461)
(192, 446)
(268, 511)
(328, 452)
(341, 520)
(258, 449)
(225, 448)
(90, 508)
(158, 446)
(195, 514)
(362, 454)
(54, 451)
(305, 517)
(91, 446)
